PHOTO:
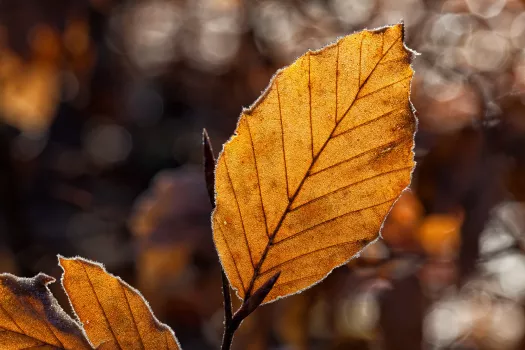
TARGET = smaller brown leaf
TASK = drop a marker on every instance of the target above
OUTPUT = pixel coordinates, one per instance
(30, 317)
(114, 314)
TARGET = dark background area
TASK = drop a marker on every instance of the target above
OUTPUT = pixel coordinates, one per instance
(102, 105)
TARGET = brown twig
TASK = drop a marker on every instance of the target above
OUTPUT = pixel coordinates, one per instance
(249, 306)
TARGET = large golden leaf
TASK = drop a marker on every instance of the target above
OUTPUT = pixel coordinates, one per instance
(31, 318)
(316, 163)
(114, 315)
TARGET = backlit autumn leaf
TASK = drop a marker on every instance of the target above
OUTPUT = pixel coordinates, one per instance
(316, 163)
(114, 315)
(31, 318)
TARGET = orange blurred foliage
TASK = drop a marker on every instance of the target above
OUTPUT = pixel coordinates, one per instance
(402, 221)
(439, 234)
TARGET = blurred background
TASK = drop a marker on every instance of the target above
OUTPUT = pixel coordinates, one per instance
(102, 104)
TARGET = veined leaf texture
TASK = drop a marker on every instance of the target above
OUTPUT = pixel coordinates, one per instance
(316, 164)
(30, 317)
(114, 315)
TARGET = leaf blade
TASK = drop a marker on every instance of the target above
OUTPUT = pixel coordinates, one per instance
(328, 145)
(114, 315)
(31, 317)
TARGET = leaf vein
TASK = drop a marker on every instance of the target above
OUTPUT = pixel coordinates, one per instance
(387, 114)
(336, 80)
(330, 220)
(239, 210)
(392, 60)
(101, 307)
(360, 67)
(37, 316)
(258, 178)
(11, 317)
(359, 155)
(42, 343)
(310, 102)
(132, 315)
(298, 279)
(36, 346)
(46, 324)
(366, 80)
(386, 86)
(233, 258)
(282, 138)
(350, 185)
(309, 253)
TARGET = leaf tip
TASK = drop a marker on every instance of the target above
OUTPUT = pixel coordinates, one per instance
(44, 279)
(205, 137)
(61, 258)
(209, 166)
(64, 261)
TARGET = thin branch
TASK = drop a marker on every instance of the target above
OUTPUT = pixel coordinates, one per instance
(227, 298)
(249, 306)
(209, 174)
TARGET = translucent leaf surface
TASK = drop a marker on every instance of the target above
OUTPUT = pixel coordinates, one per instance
(114, 315)
(316, 163)
(31, 318)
